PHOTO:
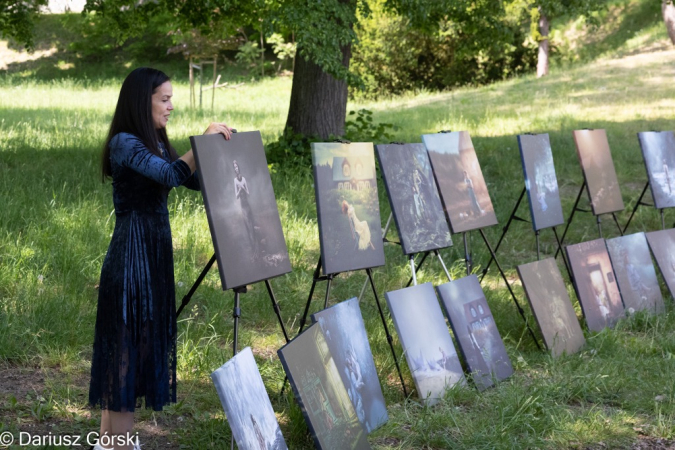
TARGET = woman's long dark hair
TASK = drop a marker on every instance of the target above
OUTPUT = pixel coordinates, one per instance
(133, 115)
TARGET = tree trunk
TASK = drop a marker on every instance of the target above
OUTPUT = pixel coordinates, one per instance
(542, 58)
(668, 11)
(318, 100)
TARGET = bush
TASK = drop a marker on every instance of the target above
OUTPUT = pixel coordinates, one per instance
(391, 57)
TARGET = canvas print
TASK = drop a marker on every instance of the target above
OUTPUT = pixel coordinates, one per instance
(658, 151)
(426, 341)
(460, 180)
(475, 331)
(345, 333)
(662, 244)
(598, 168)
(348, 208)
(241, 208)
(246, 404)
(540, 181)
(595, 283)
(551, 305)
(322, 396)
(414, 199)
(635, 273)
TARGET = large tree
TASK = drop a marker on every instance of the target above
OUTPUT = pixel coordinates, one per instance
(543, 11)
(668, 10)
(17, 19)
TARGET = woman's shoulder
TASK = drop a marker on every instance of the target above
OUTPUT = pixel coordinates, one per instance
(124, 140)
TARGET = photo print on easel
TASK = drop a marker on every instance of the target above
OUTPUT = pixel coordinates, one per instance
(551, 305)
(426, 341)
(658, 151)
(348, 209)
(241, 208)
(475, 330)
(247, 405)
(540, 181)
(413, 196)
(345, 333)
(598, 169)
(595, 283)
(319, 390)
(662, 244)
(460, 181)
(635, 273)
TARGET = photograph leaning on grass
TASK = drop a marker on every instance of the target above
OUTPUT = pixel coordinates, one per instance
(92, 352)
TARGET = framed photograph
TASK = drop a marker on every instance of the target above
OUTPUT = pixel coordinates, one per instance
(413, 196)
(540, 180)
(598, 168)
(345, 334)
(350, 230)
(318, 388)
(551, 305)
(246, 404)
(595, 283)
(635, 273)
(426, 341)
(662, 244)
(241, 208)
(460, 181)
(658, 151)
(475, 330)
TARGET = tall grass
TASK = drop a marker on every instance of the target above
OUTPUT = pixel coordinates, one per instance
(56, 223)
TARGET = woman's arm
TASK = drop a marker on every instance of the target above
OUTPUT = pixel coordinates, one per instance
(128, 151)
(213, 128)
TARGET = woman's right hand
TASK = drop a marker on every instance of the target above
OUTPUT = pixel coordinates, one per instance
(219, 128)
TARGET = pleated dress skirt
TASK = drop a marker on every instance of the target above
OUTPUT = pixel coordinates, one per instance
(134, 355)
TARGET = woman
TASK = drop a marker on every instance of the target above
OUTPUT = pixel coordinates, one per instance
(241, 192)
(360, 228)
(134, 354)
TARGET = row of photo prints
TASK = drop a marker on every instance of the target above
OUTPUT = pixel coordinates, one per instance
(436, 189)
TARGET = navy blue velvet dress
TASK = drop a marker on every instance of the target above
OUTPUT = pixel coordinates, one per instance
(135, 337)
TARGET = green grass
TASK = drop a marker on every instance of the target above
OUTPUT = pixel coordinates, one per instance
(56, 224)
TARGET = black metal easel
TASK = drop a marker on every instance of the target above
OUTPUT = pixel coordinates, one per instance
(236, 313)
(574, 210)
(641, 203)
(514, 217)
(329, 278)
(467, 259)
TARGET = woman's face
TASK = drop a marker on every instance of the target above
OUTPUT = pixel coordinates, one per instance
(161, 105)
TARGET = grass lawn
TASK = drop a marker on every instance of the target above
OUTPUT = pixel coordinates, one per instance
(56, 222)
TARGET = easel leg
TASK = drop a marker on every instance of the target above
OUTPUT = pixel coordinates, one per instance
(616, 221)
(467, 256)
(325, 302)
(567, 268)
(508, 285)
(416, 269)
(569, 221)
(411, 258)
(386, 331)
(445, 269)
(635, 208)
(536, 236)
(504, 231)
(599, 226)
(277, 310)
(317, 272)
(236, 314)
(384, 239)
(194, 287)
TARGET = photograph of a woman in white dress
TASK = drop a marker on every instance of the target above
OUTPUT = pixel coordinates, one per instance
(360, 229)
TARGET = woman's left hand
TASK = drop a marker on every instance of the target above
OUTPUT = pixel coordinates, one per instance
(219, 128)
